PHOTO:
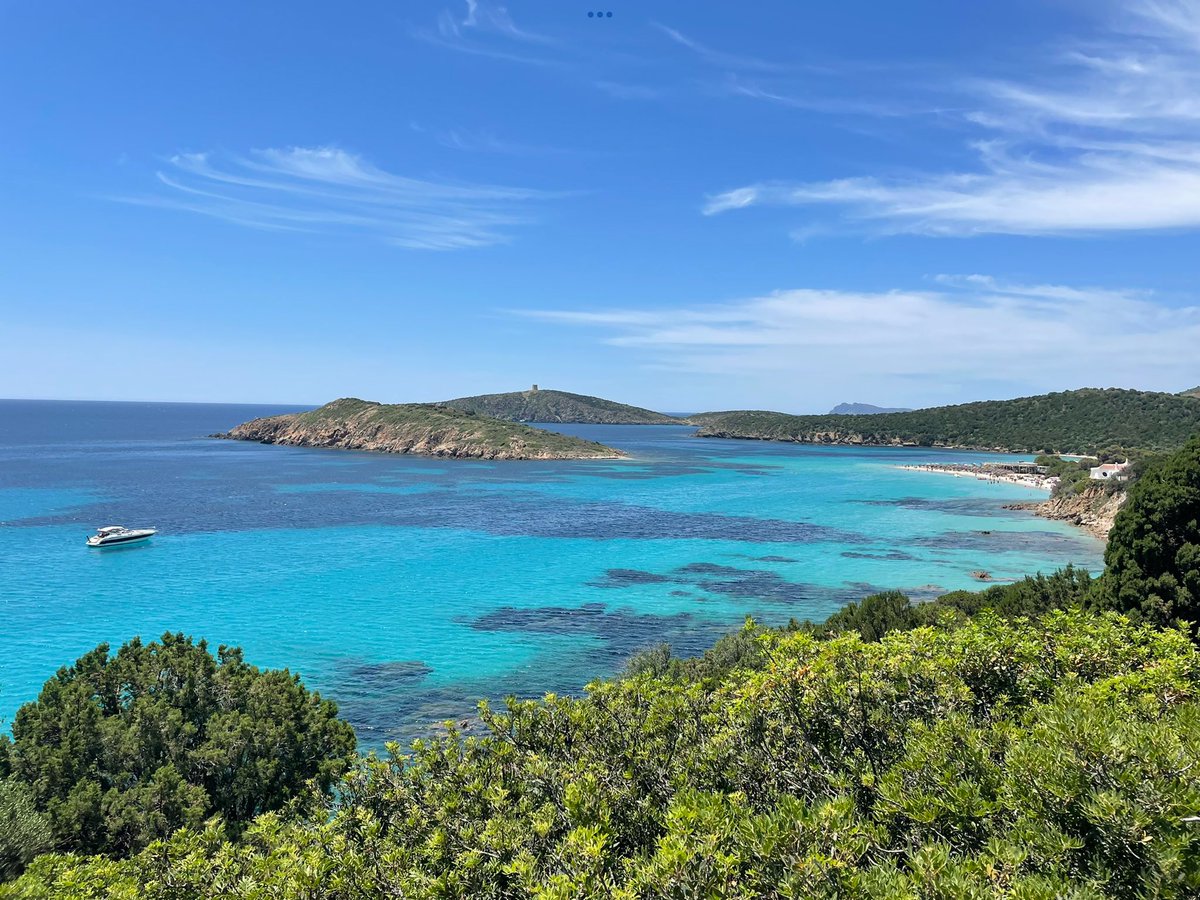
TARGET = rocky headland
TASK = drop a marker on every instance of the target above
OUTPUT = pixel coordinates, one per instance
(1094, 509)
(428, 430)
(1079, 421)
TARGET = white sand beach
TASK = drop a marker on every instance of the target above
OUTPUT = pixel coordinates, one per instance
(983, 473)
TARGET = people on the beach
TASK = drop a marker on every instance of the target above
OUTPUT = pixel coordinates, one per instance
(983, 473)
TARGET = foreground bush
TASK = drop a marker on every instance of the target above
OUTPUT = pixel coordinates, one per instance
(1001, 758)
(24, 832)
(1153, 556)
(118, 751)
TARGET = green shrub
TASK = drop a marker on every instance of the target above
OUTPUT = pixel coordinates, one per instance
(1050, 758)
(1152, 562)
(24, 832)
(121, 750)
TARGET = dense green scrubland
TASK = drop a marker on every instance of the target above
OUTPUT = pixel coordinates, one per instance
(352, 424)
(1035, 740)
(558, 406)
(1051, 758)
(1083, 421)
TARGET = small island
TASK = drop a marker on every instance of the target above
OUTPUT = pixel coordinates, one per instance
(537, 405)
(424, 429)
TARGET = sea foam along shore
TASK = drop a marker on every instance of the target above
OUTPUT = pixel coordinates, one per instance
(985, 473)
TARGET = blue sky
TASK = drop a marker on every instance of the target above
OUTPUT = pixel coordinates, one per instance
(686, 206)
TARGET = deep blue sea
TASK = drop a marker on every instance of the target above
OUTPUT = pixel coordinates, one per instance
(406, 588)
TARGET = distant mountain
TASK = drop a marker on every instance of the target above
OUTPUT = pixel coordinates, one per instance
(1082, 421)
(865, 409)
(352, 424)
(1194, 392)
(538, 405)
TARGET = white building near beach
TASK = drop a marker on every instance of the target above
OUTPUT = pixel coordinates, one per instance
(1109, 472)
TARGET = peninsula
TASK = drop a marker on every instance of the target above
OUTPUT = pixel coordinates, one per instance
(1080, 421)
(538, 405)
(352, 424)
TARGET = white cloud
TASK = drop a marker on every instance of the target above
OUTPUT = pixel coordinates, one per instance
(1107, 140)
(804, 97)
(471, 141)
(325, 189)
(1024, 338)
(490, 17)
(718, 57)
(487, 29)
(735, 199)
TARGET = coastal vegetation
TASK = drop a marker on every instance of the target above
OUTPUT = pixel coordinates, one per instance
(539, 405)
(1090, 420)
(352, 424)
(1032, 741)
(1030, 758)
(24, 832)
(1152, 561)
(121, 749)
(1074, 475)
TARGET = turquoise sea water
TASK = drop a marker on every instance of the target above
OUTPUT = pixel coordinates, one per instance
(406, 588)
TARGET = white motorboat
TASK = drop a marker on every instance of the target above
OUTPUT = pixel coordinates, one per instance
(119, 536)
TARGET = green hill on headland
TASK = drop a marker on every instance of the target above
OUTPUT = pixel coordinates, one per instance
(1082, 421)
(352, 424)
(1191, 392)
(558, 406)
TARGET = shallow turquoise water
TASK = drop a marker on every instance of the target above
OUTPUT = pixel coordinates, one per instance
(405, 587)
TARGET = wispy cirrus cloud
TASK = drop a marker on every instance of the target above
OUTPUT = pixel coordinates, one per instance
(487, 29)
(329, 190)
(963, 329)
(1106, 139)
(470, 140)
(830, 100)
(720, 58)
(832, 87)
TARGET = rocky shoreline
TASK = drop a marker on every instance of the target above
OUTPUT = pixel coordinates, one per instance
(829, 438)
(1093, 510)
(352, 424)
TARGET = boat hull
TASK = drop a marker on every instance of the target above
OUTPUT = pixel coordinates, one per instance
(121, 541)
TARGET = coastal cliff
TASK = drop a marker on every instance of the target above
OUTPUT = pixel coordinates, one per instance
(1094, 509)
(352, 424)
